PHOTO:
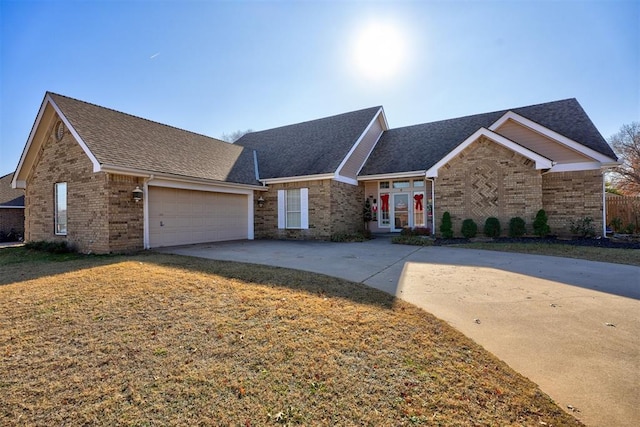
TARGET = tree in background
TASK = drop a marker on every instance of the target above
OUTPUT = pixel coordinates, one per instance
(626, 144)
(234, 136)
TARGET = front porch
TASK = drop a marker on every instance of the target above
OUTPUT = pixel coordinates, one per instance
(400, 203)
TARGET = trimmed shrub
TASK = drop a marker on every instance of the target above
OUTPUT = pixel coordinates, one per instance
(469, 228)
(517, 227)
(616, 224)
(540, 226)
(492, 227)
(416, 231)
(583, 227)
(446, 227)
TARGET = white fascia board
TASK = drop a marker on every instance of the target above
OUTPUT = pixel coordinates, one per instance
(345, 179)
(11, 207)
(300, 178)
(563, 140)
(358, 141)
(21, 183)
(572, 167)
(83, 145)
(540, 161)
(155, 177)
(390, 176)
(217, 187)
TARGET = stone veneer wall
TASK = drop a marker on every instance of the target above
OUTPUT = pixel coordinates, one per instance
(485, 180)
(568, 196)
(334, 207)
(100, 212)
(12, 219)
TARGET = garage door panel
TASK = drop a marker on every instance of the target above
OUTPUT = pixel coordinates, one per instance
(178, 217)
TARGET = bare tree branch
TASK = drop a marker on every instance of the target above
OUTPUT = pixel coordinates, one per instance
(626, 144)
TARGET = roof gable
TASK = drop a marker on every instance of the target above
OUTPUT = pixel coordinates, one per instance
(316, 147)
(119, 142)
(541, 162)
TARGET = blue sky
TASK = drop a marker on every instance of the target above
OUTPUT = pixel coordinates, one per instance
(216, 67)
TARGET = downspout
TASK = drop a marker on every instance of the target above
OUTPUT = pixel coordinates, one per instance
(433, 204)
(604, 208)
(145, 213)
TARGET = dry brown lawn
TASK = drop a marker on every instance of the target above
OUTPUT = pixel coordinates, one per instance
(166, 340)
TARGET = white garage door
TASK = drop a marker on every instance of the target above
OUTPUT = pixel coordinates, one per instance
(180, 217)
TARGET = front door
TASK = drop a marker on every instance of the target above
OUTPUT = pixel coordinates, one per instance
(400, 214)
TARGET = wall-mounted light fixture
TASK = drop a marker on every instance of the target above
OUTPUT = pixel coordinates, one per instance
(260, 202)
(137, 194)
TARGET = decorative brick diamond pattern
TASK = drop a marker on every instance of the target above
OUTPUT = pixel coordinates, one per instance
(483, 182)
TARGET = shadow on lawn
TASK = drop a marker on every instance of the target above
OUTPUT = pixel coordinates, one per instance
(20, 264)
(302, 281)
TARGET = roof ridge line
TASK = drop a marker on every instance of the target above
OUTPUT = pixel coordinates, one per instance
(318, 119)
(503, 111)
(139, 117)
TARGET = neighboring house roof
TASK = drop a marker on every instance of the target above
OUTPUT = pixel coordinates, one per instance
(10, 197)
(315, 147)
(419, 147)
(125, 141)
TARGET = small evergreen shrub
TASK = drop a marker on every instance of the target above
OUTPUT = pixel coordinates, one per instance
(469, 228)
(616, 224)
(517, 227)
(540, 226)
(583, 227)
(446, 227)
(492, 227)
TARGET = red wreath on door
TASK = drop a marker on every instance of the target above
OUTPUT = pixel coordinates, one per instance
(384, 198)
(418, 198)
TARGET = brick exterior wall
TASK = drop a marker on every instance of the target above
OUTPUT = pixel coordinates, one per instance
(485, 180)
(334, 207)
(12, 220)
(101, 216)
(568, 196)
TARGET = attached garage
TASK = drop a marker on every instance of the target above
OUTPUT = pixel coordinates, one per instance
(181, 217)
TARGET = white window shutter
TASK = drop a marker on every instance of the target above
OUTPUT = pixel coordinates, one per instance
(282, 211)
(304, 208)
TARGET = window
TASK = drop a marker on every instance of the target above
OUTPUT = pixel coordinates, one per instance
(294, 213)
(418, 183)
(401, 184)
(61, 208)
(293, 208)
(384, 184)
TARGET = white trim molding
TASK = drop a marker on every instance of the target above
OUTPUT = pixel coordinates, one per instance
(359, 140)
(391, 176)
(541, 162)
(300, 178)
(561, 139)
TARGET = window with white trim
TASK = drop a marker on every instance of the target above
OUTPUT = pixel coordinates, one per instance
(60, 202)
(293, 208)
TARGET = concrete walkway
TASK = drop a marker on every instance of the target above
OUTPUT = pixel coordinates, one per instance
(571, 326)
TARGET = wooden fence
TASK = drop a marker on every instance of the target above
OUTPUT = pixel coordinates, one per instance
(627, 208)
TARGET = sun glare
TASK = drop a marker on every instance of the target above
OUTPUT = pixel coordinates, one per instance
(379, 51)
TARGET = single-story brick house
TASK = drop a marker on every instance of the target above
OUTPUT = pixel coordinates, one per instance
(106, 181)
(11, 210)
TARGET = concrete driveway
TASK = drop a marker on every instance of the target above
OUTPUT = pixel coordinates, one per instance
(571, 326)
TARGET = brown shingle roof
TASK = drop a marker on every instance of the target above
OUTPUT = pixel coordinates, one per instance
(9, 196)
(123, 140)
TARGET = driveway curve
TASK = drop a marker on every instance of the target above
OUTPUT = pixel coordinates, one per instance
(571, 326)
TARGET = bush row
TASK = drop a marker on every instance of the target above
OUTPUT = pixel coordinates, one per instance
(517, 227)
